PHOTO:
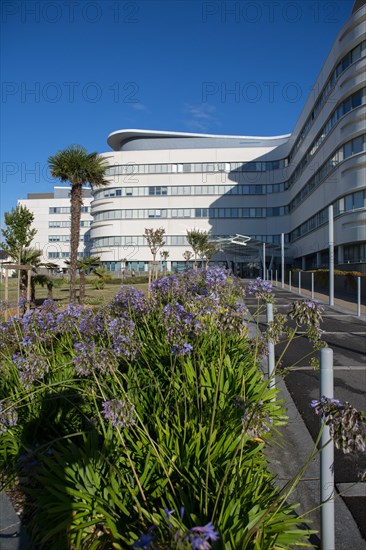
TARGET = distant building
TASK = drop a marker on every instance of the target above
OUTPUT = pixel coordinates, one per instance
(52, 222)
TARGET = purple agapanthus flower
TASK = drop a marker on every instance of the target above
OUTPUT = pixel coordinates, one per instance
(347, 425)
(31, 366)
(145, 539)
(129, 302)
(200, 537)
(182, 349)
(120, 412)
(260, 288)
(8, 416)
(121, 332)
(89, 358)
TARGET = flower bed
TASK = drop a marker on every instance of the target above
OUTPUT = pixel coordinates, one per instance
(142, 424)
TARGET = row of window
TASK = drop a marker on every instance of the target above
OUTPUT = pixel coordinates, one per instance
(63, 255)
(348, 203)
(132, 169)
(351, 57)
(352, 147)
(350, 103)
(189, 190)
(65, 209)
(355, 253)
(167, 213)
(66, 238)
(67, 223)
(170, 240)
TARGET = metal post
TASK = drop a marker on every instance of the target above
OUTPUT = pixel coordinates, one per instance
(29, 276)
(358, 296)
(276, 278)
(289, 280)
(300, 283)
(271, 353)
(271, 275)
(331, 255)
(312, 286)
(264, 261)
(282, 260)
(327, 534)
(6, 297)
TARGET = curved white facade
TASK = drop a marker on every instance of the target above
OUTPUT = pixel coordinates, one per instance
(256, 186)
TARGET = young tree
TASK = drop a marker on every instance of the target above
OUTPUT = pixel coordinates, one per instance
(207, 252)
(79, 168)
(155, 241)
(164, 255)
(187, 255)
(198, 241)
(18, 235)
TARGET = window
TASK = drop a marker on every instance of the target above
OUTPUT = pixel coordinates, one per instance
(359, 199)
(157, 190)
(59, 210)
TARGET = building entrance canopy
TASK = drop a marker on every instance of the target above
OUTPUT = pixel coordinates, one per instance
(245, 248)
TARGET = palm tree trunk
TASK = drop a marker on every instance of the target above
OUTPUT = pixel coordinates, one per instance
(50, 291)
(82, 286)
(33, 291)
(23, 283)
(76, 202)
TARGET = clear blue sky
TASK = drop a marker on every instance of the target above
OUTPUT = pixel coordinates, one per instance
(74, 71)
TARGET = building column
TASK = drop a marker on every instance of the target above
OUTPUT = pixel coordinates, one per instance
(318, 259)
(303, 263)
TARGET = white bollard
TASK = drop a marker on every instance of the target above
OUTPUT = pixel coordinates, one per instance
(327, 532)
(271, 352)
(358, 296)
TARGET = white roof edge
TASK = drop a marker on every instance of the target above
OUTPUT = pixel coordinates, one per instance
(115, 138)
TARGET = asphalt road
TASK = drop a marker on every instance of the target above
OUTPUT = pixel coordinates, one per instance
(346, 335)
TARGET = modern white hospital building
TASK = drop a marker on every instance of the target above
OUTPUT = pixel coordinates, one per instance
(261, 187)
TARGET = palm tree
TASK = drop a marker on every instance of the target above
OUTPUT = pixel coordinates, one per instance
(101, 277)
(42, 280)
(83, 265)
(78, 167)
(28, 256)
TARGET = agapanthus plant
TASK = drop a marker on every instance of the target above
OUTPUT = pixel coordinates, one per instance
(347, 425)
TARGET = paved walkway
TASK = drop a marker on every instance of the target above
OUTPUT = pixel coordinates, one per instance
(12, 534)
(345, 334)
